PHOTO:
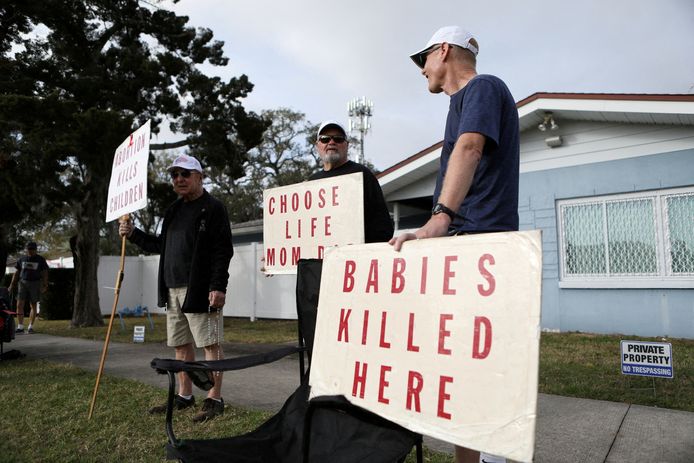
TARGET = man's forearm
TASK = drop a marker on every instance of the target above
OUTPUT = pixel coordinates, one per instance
(462, 164)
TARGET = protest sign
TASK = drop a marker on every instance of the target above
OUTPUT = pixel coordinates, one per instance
(302, 220)
(441, 338)
(127, 191)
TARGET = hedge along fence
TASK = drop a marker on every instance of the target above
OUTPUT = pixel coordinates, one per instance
(56, 302)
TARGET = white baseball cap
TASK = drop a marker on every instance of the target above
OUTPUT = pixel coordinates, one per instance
(186, 162)
(453, 35)
(328, 123)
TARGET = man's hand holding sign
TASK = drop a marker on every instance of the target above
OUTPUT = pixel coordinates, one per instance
(441, 338)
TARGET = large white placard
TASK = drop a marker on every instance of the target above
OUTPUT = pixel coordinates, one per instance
(302, 220)
(127, 191)
(441, 338)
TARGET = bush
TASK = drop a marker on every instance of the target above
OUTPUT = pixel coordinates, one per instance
(56, 303)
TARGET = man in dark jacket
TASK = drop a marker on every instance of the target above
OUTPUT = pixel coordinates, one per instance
(195, 249)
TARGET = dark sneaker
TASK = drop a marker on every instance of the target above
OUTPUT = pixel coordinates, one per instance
(210, 409)
(179, 404)
(19, 330)
(30, 331)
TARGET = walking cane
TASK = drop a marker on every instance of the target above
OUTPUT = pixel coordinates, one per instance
(119, 279)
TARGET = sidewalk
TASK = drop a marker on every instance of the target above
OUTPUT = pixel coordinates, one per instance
(568, 430)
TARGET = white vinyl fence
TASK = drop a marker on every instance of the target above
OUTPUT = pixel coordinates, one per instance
(249, 294)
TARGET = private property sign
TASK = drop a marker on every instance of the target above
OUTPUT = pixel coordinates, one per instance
(300, 221)
(441, 338)
(641, 358)
(127, 191)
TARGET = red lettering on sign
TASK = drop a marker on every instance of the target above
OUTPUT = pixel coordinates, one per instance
(327, 225)
(320, 251)
(308, 199)
(286, 230)
(476, 352)
(296, 255)
(443, 397)
(448, 274)
(343, 327)
(383, 384)
(359, 379)
(314, 221)
(270, 256)
(283, 204)
(271, 205)
(335, 203)
(410, 335)
(383, 343)
(444, 333)
(365, 327)
(398, 280)
(295, 202)
(372, 281)
(487, 275)
(321, 198)
(413, 390)
(423, 281)
(348, 282)
(283, 256)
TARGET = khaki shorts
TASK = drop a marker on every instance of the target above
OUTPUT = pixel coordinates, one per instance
(205, 329)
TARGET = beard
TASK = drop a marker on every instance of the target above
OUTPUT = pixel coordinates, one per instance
(332, 157)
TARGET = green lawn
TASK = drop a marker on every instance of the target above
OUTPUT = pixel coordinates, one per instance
(45, 418)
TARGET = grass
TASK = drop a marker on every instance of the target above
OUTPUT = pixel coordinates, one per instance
(240, 330)
(46, 404)
(588, 366)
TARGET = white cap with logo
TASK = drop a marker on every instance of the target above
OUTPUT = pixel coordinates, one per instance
(186, 162)
(453, 35)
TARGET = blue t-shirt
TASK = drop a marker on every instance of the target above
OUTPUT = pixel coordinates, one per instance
(485, 105)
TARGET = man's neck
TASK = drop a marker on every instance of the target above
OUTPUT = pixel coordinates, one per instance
(458, 81)
(192, 196)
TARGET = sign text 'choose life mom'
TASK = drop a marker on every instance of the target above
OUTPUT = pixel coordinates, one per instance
(127, 191)
(641, 358)
(441, 338)
(300, 221)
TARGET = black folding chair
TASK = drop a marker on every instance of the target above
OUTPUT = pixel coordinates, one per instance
(328, 429)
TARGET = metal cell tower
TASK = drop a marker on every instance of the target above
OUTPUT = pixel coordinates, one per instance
(360, 110)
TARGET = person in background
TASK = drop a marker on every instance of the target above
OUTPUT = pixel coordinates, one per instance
(195, 250)
(332, 146)
(31, 277)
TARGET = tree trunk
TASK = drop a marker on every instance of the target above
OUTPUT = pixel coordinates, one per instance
(85, 250)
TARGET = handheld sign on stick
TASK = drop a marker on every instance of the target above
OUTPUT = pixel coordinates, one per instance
(127, 192)
(441, 338)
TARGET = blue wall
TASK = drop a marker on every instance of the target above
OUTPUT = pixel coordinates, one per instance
(644, 312)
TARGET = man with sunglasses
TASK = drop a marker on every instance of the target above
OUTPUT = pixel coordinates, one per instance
(332, 146)
(195, 250)
(477, 186)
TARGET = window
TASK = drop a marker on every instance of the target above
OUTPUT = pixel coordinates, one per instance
(631, 240)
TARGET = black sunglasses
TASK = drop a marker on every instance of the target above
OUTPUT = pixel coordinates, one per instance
(325, 139)
(182, 173)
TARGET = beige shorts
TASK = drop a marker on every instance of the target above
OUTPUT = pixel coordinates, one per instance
(205, 329)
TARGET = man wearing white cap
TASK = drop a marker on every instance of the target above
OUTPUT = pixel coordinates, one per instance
(195, 249)
(477, 186)
(332, 146)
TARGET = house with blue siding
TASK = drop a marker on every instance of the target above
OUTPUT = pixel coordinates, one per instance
(609, 179)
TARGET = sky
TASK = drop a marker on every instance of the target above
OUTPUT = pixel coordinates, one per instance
(315, 56)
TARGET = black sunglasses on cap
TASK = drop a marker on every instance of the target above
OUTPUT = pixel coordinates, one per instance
(183, 173)
(325, 139)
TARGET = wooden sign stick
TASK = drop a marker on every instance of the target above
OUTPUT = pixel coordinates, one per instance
(119, 279)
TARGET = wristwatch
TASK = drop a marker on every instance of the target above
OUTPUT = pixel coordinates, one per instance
(440, 208)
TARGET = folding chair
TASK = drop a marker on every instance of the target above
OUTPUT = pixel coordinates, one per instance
(327, 429)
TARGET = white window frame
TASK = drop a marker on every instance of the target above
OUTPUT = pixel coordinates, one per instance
(663, 279)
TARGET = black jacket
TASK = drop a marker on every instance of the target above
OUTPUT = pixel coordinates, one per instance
(209, 268)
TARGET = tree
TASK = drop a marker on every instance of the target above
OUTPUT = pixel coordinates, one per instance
(285, 155)
(76, 77)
